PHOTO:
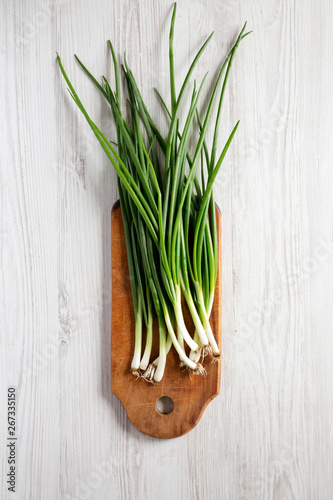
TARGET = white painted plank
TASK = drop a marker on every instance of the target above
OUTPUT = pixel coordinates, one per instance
(269, 434)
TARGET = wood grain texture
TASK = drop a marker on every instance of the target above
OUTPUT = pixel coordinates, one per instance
(269, 433)
(190, 395)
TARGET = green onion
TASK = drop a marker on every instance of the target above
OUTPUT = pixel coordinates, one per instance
(159, 216)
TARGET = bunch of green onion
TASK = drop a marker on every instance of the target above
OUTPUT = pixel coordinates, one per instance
(166, 204)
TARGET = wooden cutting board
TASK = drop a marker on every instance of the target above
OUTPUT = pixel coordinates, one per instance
(190, 395)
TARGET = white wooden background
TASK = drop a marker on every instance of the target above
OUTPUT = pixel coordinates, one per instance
(269, 434)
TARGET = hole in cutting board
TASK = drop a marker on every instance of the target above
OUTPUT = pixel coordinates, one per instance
(165, 405)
